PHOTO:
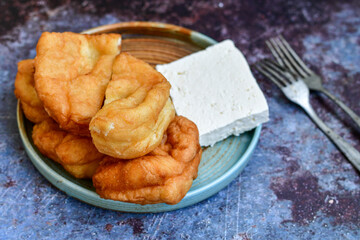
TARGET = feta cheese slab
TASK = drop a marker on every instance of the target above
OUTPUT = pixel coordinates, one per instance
(216, 89)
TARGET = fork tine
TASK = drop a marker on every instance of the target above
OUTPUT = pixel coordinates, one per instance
(280, 85)
(284, 60)
(275, 65)
(290, 62)
(274, 52)
(279, 69)
(295, 56)
(278, 74)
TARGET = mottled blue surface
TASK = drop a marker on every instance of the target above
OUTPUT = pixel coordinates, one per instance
(296, 186)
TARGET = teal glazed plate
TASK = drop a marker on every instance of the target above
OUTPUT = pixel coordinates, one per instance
(155, 43)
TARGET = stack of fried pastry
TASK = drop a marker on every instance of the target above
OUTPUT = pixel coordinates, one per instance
(108, 116)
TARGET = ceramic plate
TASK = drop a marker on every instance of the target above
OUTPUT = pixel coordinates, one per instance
(155, 43)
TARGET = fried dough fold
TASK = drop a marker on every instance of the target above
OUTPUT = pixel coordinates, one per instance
(25, 91)
(164, 175)
(76, 154)
(136, 112)
(72, 72)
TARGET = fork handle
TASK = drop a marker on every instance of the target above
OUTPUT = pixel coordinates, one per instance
(346, 109)
(349, 151)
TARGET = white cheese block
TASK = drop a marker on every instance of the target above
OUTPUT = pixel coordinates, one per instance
(215, 89)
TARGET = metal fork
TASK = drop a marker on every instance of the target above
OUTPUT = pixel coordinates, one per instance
(296, 90)
(287, 58)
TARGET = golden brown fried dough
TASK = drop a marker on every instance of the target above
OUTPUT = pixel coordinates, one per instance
(76, 154)
(72, 72)
(137, 110)
(164, 175)
(25, 91)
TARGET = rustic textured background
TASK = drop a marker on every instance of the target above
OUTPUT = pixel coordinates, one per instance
(297, 184)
